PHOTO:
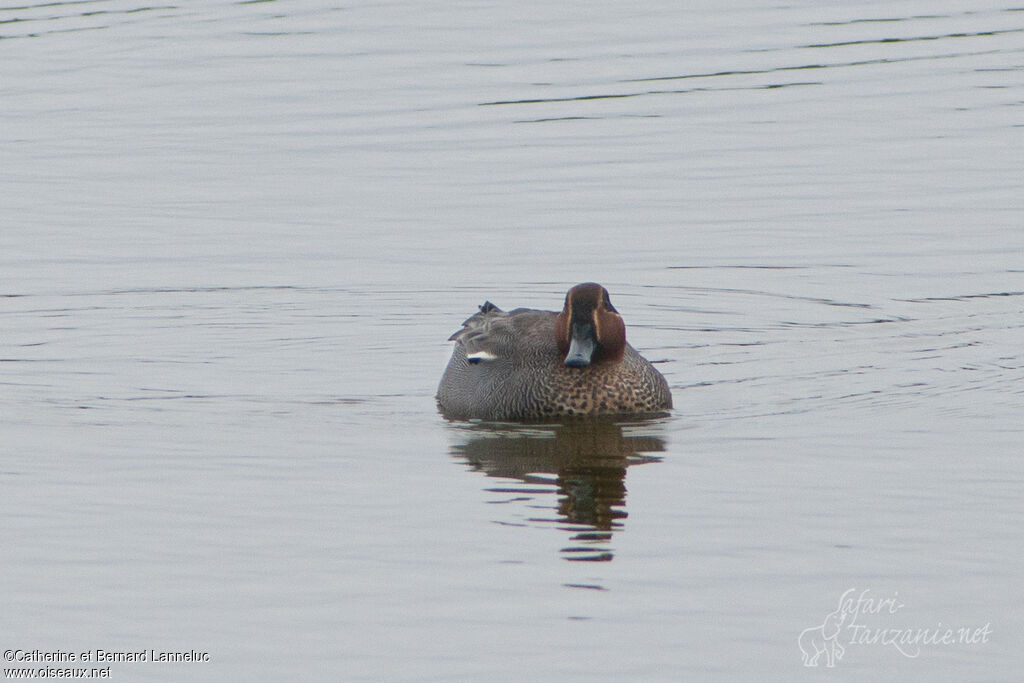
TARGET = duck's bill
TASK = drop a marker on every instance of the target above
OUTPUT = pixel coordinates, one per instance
(581, 346)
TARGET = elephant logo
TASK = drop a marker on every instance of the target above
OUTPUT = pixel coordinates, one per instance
(823, 640)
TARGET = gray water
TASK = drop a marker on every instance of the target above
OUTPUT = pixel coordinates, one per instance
(235, 236)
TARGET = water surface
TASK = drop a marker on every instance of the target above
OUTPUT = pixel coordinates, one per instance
(234, 237)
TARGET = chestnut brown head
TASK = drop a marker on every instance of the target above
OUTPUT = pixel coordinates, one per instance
(589, 330)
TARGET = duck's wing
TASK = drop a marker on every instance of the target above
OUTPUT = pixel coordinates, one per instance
(486, 335)
(493, 334)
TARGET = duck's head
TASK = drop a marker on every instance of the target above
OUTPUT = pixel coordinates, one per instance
(589, 329)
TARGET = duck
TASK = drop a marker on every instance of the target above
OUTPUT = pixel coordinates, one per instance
(527, 364)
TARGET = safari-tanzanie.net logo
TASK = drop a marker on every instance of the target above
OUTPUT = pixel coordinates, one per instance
(865, 619)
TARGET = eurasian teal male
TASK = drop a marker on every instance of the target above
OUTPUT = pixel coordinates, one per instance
(527, 364)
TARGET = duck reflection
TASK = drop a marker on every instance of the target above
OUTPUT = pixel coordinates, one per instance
(581, 464)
